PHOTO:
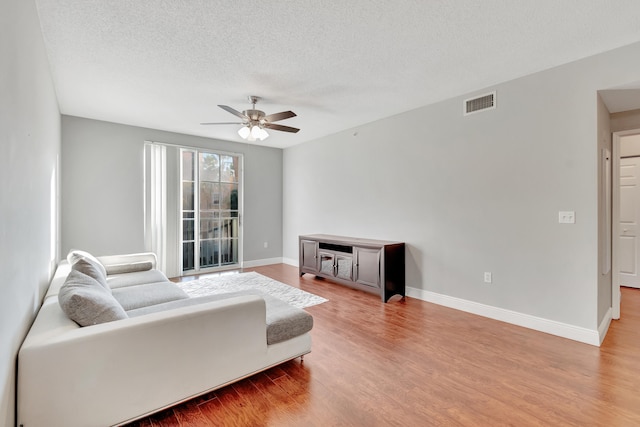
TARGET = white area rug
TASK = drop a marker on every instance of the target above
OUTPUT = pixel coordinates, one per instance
(247, 281)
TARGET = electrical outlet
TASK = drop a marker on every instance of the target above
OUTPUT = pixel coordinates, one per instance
(266, 245)
(567, 217)
(487, 277)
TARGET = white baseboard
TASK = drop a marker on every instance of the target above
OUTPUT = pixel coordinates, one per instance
(291, 261)
(269, 261)
(604, 325)
(552, 327)
(261, 262)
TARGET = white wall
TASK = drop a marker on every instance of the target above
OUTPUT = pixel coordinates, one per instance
(474, 194)
(102, 188)
(29, 151)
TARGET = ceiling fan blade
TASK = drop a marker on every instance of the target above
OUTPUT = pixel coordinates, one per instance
(279, 116)
(282, 128)
(233, 111)
(224, 123)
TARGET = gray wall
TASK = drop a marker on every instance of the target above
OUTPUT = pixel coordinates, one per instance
(477, 193)
(102, 188)
(29, 151)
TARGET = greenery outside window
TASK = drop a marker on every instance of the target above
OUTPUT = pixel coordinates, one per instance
(210, 212)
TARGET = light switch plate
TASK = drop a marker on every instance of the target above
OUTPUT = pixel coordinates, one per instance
(567, 217)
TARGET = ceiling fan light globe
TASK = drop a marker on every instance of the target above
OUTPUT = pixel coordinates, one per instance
(255, 132)
(263, 134)
(244, 132)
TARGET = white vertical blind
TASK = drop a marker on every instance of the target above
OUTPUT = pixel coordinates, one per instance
(155, 202)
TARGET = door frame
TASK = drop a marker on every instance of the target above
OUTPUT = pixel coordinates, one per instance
(180, 234)
(615, 220)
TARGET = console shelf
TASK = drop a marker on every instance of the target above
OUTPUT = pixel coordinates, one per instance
(375, 266)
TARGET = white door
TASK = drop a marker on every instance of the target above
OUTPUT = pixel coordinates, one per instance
(628, 243)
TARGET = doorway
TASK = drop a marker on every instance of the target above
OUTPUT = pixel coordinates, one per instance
(626, 214)
(209, 210)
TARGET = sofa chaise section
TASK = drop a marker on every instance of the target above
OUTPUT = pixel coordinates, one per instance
(112, 373)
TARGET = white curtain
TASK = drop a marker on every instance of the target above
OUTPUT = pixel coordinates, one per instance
(155, 202)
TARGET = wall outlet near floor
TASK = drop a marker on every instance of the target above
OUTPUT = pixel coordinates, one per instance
(266, 245)
(487, 277)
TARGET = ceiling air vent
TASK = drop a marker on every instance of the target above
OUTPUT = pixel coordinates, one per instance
(480, 103)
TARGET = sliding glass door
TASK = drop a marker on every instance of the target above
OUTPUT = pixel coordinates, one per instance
(210, 211)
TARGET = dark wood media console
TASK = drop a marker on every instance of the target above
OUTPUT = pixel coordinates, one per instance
(375, 266)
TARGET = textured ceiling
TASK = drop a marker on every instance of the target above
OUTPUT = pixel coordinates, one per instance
(167, 64)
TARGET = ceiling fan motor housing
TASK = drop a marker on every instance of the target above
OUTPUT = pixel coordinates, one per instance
(254, 115)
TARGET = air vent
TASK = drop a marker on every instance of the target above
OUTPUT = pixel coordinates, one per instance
(480, 103)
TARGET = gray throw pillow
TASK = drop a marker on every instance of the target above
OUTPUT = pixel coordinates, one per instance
(76, 255)
(91, 269)
(86, 302)
(130, 267)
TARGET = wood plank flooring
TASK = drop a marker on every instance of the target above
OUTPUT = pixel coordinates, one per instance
(412, 363)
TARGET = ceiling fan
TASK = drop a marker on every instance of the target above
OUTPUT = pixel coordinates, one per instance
(254, 122)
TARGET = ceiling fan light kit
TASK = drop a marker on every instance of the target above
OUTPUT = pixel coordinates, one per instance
(251, 133)
(254, 122)
(244, 132)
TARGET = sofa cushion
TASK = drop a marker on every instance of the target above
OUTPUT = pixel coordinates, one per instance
(75, 255)
(136, 296)
(86, 302)
(136, 278)
(129, 267)
(91, 269)
(283, 321)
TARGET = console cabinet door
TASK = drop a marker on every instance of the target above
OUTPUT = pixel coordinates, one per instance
(327, 265)
(344, 267)
(309, 255)
(367, 266)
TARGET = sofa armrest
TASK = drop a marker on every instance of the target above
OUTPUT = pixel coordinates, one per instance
(110, 373)
(115, 263)
(58, 279)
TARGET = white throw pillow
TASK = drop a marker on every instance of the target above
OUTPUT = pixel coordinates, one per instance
(86, 302)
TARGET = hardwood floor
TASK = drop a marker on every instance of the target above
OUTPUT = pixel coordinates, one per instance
(412, 363)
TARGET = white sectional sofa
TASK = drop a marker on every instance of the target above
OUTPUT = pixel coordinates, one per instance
(168, 348)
